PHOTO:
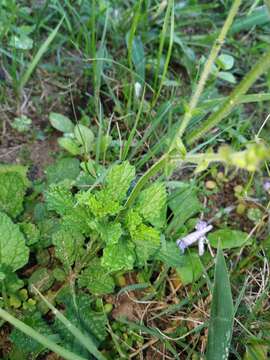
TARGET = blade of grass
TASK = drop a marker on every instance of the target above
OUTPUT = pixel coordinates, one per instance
(85, 340)
(44, 47)
(47, 343)
(222, 313)
(170, 12)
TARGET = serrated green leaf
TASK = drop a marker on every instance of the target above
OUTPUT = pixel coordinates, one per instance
(63, 170)
(31, 233)
(229, 238)
(147, 240)
(133, 220)
(96, 279)
(222, 313)
(61, 122)
(59, 199)
(68, 245)
(120, 256)
(13, 185)
(85, 137)
(118, 180)
(13, 251)
(152, 204)
(102, 204)
(110, 232)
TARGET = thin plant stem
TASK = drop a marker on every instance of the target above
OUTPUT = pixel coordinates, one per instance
(261, 66)
(207, 70)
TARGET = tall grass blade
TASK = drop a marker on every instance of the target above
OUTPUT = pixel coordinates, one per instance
(38, 56)
(222, 313)
(85, 340)
(45, 341)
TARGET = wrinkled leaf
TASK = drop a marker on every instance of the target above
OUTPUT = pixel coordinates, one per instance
(118, 180)
(96, 279)
(147, 240)
(64, 169)
(152, 204)
(13, 251)
(120, 256)
(13, 186)
(68, 245)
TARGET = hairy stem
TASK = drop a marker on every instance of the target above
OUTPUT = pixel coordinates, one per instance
(261, 66)
(207, 70)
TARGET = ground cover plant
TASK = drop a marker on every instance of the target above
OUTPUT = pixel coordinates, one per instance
(134, 179)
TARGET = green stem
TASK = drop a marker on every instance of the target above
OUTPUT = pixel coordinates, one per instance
(47, 343)
(261, 66)
(154, 169)
(207, 70)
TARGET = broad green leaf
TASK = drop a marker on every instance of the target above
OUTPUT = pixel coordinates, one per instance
(110, 233)
(69, 145)
(147, 240)
(61, 122)
(10, 279)
(42, 279)
(222, 313)
(152, 204)
(184, 204)
(13, 186)
(170, 254)
(101, 204)
(13, 251)
(118, 180)
(191, 269)
(63, 170)
(226, 76)
(68, 246)
(31, 233)
(59, 199)
(120, 256)
(133, 220)
(74, 216)
(225, 61)
(229, 238)
(84, 136)
(96, 279)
